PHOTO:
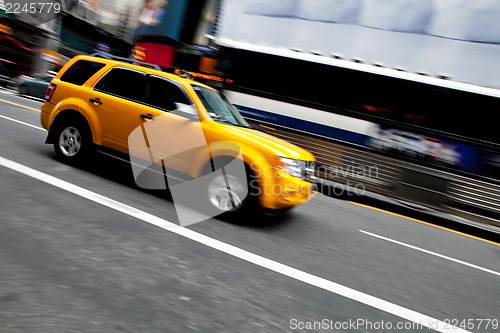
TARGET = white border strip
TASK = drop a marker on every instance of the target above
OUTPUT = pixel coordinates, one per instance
(424, 320)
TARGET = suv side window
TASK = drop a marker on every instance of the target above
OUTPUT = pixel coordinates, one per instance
(163, 94)
(81, 71)
(125, 83)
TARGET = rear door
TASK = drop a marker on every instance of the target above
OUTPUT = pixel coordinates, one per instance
(117, 102)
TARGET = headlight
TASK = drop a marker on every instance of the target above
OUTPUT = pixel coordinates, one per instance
(296, 168)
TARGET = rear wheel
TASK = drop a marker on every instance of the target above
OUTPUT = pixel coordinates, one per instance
(73, 142)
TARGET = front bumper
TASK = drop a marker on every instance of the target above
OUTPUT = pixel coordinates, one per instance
(284, 191)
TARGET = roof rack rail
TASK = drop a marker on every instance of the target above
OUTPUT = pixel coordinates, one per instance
(130, 61)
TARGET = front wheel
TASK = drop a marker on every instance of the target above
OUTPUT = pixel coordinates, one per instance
(226, 192)
(233, 193)
(73, 142)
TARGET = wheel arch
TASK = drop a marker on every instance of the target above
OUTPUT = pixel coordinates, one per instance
(252, 158)
(64, 116)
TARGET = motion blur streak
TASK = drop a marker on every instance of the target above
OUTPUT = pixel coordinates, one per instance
(272, 265)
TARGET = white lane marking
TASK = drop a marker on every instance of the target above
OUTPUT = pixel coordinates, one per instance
(431, 253)
(375, 302)
(22, 122)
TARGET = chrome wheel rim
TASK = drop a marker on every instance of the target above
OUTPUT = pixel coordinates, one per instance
(226, 192)
(70, 141)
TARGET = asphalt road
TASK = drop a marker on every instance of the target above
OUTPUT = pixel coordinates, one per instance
(86, 250)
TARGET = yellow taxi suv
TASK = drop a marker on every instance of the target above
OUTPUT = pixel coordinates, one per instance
(178, 125)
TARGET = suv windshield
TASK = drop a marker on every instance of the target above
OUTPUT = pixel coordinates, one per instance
(218, 107)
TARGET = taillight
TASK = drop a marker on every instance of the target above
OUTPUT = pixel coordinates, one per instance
(50, 91)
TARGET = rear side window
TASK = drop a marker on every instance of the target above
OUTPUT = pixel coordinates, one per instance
(81, 71)
(124, 83)
(164, 95)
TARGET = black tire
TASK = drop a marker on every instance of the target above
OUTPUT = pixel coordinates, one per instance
(73, 142)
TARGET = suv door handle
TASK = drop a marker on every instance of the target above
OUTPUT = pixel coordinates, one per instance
(147, 116)
(96, 101)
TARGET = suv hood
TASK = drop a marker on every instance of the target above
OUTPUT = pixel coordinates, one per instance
(278, 146)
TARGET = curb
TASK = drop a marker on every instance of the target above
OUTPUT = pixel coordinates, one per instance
(411, 210)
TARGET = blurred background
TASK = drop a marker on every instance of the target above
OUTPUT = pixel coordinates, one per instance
(396, 99)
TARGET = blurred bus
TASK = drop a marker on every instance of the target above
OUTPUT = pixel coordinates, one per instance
(438, 121)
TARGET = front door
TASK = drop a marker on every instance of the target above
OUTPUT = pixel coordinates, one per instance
(171, 130)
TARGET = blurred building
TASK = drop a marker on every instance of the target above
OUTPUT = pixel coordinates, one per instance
(174, 33)
(156, 31)
(170, 33)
